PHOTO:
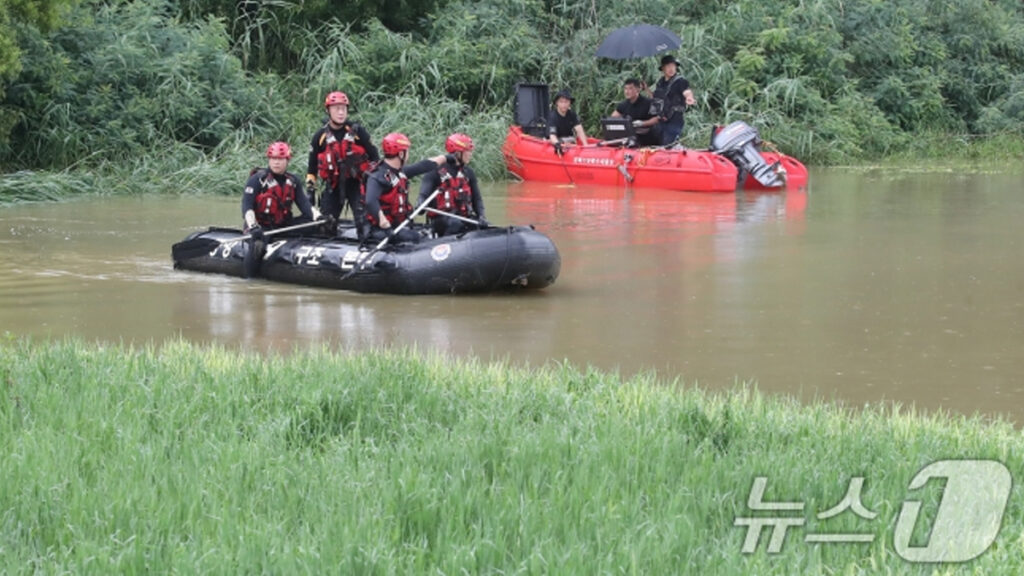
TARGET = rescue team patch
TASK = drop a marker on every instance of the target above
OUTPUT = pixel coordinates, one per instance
(441, 252)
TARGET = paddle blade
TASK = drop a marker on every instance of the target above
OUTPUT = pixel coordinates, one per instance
(193, 248)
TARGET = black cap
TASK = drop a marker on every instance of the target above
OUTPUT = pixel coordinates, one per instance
(564, 93)
(668, 59)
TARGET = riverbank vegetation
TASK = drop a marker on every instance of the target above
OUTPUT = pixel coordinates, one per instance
(101, 84)
(181, 458)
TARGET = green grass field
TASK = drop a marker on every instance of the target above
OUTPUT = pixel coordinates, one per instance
(185, 459)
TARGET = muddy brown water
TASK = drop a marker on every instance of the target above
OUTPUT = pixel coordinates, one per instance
(868, 286)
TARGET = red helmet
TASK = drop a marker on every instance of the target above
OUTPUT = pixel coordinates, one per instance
(279, 150)
(394, 143)
(335, 98)
(458, 142)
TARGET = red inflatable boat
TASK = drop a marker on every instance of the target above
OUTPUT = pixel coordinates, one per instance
(610, 163)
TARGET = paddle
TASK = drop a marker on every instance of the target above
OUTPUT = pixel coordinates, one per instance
(363, 258)
(201, 246)
(456, 216)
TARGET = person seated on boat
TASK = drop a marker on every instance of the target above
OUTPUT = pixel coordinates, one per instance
(270, 194)
(387, 185)
(637, 108)
(671, 96)
(459, 192)
(563, 124)
(341, 153)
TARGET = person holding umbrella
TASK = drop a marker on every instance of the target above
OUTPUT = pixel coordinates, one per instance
(671, 96)
(563, 123)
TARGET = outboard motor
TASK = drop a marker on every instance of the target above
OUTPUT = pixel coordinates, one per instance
(740, 143)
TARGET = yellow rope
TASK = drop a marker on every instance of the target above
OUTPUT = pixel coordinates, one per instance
(771, 146)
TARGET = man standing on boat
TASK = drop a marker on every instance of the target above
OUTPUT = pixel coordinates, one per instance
(341, 153)
(671, 97)
(387, 188)
(637, 108)
(459, 192)
(563, 124)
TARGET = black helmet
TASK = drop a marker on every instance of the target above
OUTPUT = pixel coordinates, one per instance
(668, 59)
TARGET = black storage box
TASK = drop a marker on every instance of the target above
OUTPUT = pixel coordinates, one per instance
(531, 108)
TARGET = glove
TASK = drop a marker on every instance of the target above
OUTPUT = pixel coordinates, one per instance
(256, 232)
(329, 226)
(316, 214)
(558, 148)
(384, 222)
(483, 222)
(251, 226)
(638, 123)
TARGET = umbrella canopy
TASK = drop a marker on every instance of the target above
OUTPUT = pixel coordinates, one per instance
(637, 41)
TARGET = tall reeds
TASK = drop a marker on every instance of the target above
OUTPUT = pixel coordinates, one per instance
(828, 82)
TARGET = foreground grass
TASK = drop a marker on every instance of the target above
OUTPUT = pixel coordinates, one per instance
(186, 459)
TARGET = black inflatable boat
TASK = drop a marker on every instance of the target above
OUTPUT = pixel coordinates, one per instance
(513, 257)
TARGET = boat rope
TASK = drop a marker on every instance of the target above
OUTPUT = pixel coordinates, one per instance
(510, 153)
(508, 257)
(642, 160)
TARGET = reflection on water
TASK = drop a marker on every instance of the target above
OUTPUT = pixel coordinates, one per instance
(271, 316)
(904, 287)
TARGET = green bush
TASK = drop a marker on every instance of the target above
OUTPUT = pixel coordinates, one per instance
(830, 81)
(123, 81)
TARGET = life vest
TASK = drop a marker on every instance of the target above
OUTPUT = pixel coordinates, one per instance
(273, 202)
(341, 158)
(456, 194)
(665, 104)
(394, 202)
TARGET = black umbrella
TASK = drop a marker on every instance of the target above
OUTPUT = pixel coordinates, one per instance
(637, 41)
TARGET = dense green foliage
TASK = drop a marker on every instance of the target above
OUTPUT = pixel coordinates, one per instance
(14, 16)
(828, 81)
(127, 80)
(184, 459)
(266, 32)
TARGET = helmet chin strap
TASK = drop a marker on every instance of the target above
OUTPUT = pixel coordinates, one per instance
(402, 155)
